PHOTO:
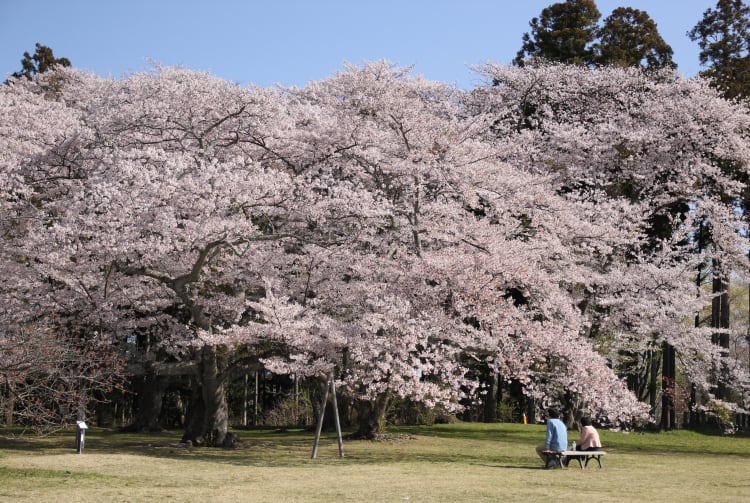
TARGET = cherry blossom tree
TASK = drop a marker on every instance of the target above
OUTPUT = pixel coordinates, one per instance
(658, 144)
(462, 229)
(49, 378)
(189, 190)
(54, 359)
(377, 226)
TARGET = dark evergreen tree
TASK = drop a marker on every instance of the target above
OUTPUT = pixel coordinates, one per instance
(629, 37)
(723, 36)
(563, 32)
(42, 60)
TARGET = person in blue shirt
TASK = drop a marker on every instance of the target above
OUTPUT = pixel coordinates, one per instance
(556, 440)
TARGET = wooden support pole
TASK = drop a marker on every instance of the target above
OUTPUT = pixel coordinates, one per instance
(336, 416)
(330, 385)
(319, 428)
(255, 401)
(244, 404)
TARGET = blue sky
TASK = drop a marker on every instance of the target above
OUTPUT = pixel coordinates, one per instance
(291, 42)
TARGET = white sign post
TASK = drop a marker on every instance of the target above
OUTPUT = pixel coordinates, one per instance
(80, 436)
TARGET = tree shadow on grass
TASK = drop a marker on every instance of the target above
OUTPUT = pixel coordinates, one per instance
(268, 448)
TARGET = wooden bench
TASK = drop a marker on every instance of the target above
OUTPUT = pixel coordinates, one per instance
(583, 457)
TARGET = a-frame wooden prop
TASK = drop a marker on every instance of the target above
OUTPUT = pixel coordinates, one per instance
(330, 385)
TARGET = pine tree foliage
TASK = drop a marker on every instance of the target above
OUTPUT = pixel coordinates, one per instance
(723, 36)
(569, 32)
(629, 37)
(563, 32)
(41, 61)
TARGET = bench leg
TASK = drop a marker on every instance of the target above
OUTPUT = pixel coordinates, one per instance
(597, 458)
(555, 456)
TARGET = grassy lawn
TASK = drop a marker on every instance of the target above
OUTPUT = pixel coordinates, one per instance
(458, 462)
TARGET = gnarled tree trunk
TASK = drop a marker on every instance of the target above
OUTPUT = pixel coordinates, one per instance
(150, 389)
(492, 397)
(208, 420)
(668, 418)
(372, 416)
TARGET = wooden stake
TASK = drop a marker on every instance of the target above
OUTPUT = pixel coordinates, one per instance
(336, 416)
(320, 422)
(330, 385)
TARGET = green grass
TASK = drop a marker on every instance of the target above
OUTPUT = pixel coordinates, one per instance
(457, 462)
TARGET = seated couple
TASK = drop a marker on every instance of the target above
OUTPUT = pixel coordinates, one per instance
(557, 438)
